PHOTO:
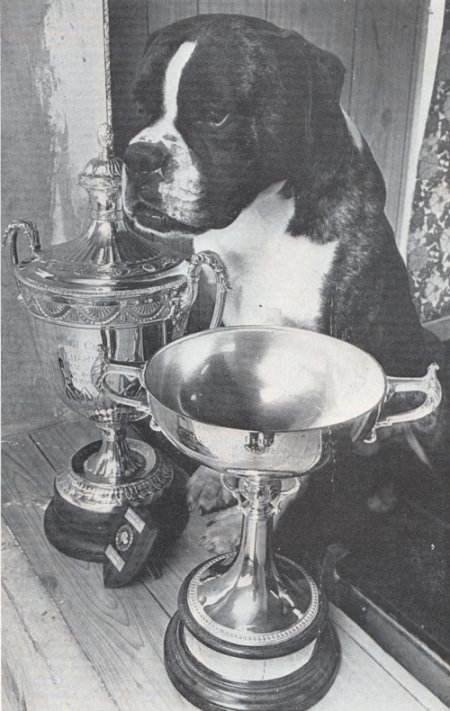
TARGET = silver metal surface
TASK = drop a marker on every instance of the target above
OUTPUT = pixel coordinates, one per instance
(261, 405)
(248, 599)
(268, 399)
(102, 496)
(110, 294)
(222, 600)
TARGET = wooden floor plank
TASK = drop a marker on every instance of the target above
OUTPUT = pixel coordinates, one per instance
(120, 632)
(419, 693)
(34, 630)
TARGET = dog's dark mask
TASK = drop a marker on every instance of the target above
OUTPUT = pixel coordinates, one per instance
(255, 105)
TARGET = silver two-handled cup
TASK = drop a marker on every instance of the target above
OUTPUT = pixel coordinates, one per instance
(263, 406)
(110, 294)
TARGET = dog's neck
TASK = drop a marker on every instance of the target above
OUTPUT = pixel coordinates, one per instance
(276, 279)
(267, 217)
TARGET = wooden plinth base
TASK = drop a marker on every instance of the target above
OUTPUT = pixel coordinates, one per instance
(84, 534)
(210, 691)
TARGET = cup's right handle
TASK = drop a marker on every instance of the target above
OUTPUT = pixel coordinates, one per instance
(133, 372)
(429, 385)
(212, 260)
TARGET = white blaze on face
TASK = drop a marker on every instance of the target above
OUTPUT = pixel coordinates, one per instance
(179, 192)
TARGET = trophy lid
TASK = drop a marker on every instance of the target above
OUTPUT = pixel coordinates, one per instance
(109, 256)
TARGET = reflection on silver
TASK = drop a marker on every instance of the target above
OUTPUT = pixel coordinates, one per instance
(273, 399)
(267, 404)
(263, 405)
(235, 607)
(110, 294)
(91, 492)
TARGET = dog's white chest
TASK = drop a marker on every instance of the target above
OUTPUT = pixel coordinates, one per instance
(282, 284)
(276, 279)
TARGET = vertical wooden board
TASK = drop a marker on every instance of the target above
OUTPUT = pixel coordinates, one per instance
(414, 133)
(130, 23)
(52, 103)
(127, 37)
(164, 12)
(257, 8)
(327, 23)
(382, 75)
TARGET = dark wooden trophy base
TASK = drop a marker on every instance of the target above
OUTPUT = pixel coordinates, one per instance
(216, 675)
(211, 691)
(82, 533)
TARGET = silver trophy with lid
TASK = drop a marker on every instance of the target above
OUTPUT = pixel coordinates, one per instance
(109, 295)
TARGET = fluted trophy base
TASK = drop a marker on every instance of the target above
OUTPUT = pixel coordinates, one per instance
(81, 515)
(291, 671)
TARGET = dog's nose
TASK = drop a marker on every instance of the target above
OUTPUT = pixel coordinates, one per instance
(145, 158)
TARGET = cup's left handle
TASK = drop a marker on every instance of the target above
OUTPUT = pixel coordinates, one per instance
(12, 233)
(130, 371)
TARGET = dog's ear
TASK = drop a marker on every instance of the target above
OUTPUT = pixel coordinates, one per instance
(328, 75)
(312, 81)
(328, 128)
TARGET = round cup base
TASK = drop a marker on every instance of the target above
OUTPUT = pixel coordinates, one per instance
(84, 533)
(297, 690)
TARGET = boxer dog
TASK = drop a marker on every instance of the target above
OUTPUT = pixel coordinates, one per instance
(245, 149)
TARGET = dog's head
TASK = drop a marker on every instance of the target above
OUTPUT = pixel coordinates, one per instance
(230, 105)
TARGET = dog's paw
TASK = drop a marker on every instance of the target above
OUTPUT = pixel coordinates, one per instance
(384, 500)
(206, 492)
(223, 532)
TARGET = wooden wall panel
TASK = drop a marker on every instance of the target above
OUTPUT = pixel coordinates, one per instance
(128, 34)
(53, 101)
(327, 23)
(385, 49)
(375, 39)
(162, 12)
(130, 25)
(257, 8)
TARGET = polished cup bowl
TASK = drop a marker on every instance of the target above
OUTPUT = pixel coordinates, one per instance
(260, 405)
(269, 399)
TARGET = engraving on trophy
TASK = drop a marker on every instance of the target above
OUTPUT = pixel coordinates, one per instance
(145, 308)
(189, 439)
(259, 442)
(73, 390)
(124, 538)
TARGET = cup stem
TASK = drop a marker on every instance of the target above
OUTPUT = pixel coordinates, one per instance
(115, 462)
(251, 594)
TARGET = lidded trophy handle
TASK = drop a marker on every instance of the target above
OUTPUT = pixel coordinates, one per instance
(212, 260)
(11, 234)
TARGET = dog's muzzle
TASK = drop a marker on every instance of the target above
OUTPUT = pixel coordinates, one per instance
(146, 166)
(146, 160)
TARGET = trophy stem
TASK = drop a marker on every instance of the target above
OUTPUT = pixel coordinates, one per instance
(115, 462)
(252, 634)
(250, 595)
(251, 588)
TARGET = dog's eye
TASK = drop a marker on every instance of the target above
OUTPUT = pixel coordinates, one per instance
(217, 118)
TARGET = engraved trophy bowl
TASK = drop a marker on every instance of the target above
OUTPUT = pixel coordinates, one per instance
(110, 294)
(263, 406)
